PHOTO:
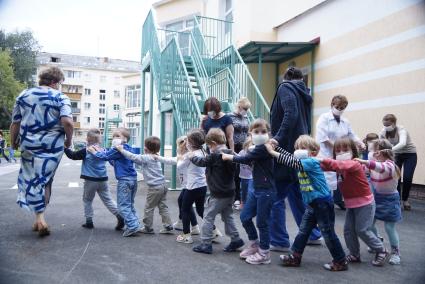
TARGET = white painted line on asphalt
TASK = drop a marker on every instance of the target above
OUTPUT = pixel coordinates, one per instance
(78, 164)
(9, 169)
(73, 184)
(14, 187)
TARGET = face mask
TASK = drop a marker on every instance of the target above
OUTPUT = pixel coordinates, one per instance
(344, 156)
(211, 114)
(301, 154)
(389, 128)
(260, 139)
(116, 142)
(337, 112)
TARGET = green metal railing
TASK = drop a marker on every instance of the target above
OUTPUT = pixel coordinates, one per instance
(217, 34)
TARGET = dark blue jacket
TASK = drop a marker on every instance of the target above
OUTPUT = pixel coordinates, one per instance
(262, 166)
(290, 117)
(123, 167)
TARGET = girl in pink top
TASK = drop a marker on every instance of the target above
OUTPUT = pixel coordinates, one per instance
(384, 175)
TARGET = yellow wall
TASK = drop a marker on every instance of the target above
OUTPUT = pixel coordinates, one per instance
(268, 84)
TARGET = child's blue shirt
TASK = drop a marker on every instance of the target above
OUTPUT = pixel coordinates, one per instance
(123, 167)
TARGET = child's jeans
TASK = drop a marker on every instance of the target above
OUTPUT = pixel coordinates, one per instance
(193, 220)
(391, 232)
(156, 197)
(246, 186)
(259, 203)
(358, 222)
(126, 191)
(101, 187)
(197, 196)
(320, 212)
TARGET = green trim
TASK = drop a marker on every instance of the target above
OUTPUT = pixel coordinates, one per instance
(150, 123)
(142, 113)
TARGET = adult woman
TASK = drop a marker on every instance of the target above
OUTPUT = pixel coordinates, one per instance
(41, 118)
(215, 118)
(405, 154)
(241, 126)
(330, 127)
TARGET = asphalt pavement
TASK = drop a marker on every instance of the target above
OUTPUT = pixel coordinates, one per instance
(72, 254)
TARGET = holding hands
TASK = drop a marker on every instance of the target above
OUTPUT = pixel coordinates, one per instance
(363, 162)
(227, 157)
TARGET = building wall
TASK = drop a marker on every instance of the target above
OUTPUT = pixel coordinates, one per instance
(376, 59)
(268, 82)
(177, 9)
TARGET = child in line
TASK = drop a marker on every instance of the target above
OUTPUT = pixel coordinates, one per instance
(358, 200)
(157, 190)
(181, 161)
(318, 200)
(384, 175)
(126, 176)
(260, 201)
(220, 179)
(245, 173)
(196, 185)
(367, 154)
(93, 171)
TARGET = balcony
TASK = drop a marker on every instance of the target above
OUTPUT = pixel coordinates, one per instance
(74, 96)
(75, 110)
(77, 124)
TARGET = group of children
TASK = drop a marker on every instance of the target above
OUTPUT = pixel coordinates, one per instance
(368, 185)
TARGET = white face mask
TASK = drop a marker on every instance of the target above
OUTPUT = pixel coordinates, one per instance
(337, 112)
(211, 114)
(344, 156)
(260, 139)
(389, 128)
(116, 142)
(301, 154)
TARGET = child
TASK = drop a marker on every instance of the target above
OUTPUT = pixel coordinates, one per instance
(358, 200)
(261, 199)
(245, 174)
(196, 185)
(384, 176)
(93, 171)
(3, 147)
(157, 189)
(220, 179)
(318, 199)
(368, 141)
(182, 161)
(126, 176)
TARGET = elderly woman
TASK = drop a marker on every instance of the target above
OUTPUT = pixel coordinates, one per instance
(330, 127)
(215, 118)
(405, 154)
(40, 121)
(241, 126)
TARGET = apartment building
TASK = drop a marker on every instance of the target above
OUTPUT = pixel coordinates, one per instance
(373, 52)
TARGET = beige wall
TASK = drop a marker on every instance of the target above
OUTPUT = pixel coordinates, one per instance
(268, 83)
(177, 9)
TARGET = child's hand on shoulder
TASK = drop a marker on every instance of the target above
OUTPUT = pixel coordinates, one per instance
(155, 156)
(119, 148)
(318, 159)
(363, 162)
(227, 157)
(270, 147)
(92, 149)
(190, 155)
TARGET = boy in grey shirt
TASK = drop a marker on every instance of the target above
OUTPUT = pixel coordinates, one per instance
(157, 191)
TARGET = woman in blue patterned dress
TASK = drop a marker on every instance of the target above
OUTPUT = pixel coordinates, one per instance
(40, 121)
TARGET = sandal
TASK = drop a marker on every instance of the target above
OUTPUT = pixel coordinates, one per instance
(380, 258)
(351, 258)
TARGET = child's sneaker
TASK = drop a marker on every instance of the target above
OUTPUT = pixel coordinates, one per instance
(380, 258)
(184, 238)
(237, 205)
(178, 226)
(250, 250)
(88, 224)
(217, 233)
(395, 257)
(203, 248)
(259, 258)
(120, 223)
(234, 246)
(146, 230)
(167, 230)
(351, 258)
(336, 266)
(195, 230)
(291, 260)
(130, 233)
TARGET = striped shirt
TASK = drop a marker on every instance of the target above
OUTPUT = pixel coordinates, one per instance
(383, 176)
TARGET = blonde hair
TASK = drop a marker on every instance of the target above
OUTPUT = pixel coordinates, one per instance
(181, 141)
(307, 142)
(259, 122)
(385, 149)
(215, 135)
(123, 131)
(244, 103)
(94, 134)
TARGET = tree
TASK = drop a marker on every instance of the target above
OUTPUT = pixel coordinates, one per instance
(9, 89)
(23, 49)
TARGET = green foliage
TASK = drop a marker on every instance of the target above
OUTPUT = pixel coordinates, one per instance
(9, 89)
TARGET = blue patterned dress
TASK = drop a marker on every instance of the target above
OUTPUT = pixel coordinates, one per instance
(41, 135)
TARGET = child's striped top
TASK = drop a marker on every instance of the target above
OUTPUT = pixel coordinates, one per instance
(383, 176)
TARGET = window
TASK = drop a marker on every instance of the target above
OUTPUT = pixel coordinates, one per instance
(132, 96)
(116, 94)
(102, 95)
(228, 15)
(102, 78)
(87, 77)
(72, 74)
(74, 119)
(101, 122)
(87, 106)
(116, 107)
(87, 92)
(74, 104)
(134, 133)
(87, 119)
(102, 108)
(55, 59)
